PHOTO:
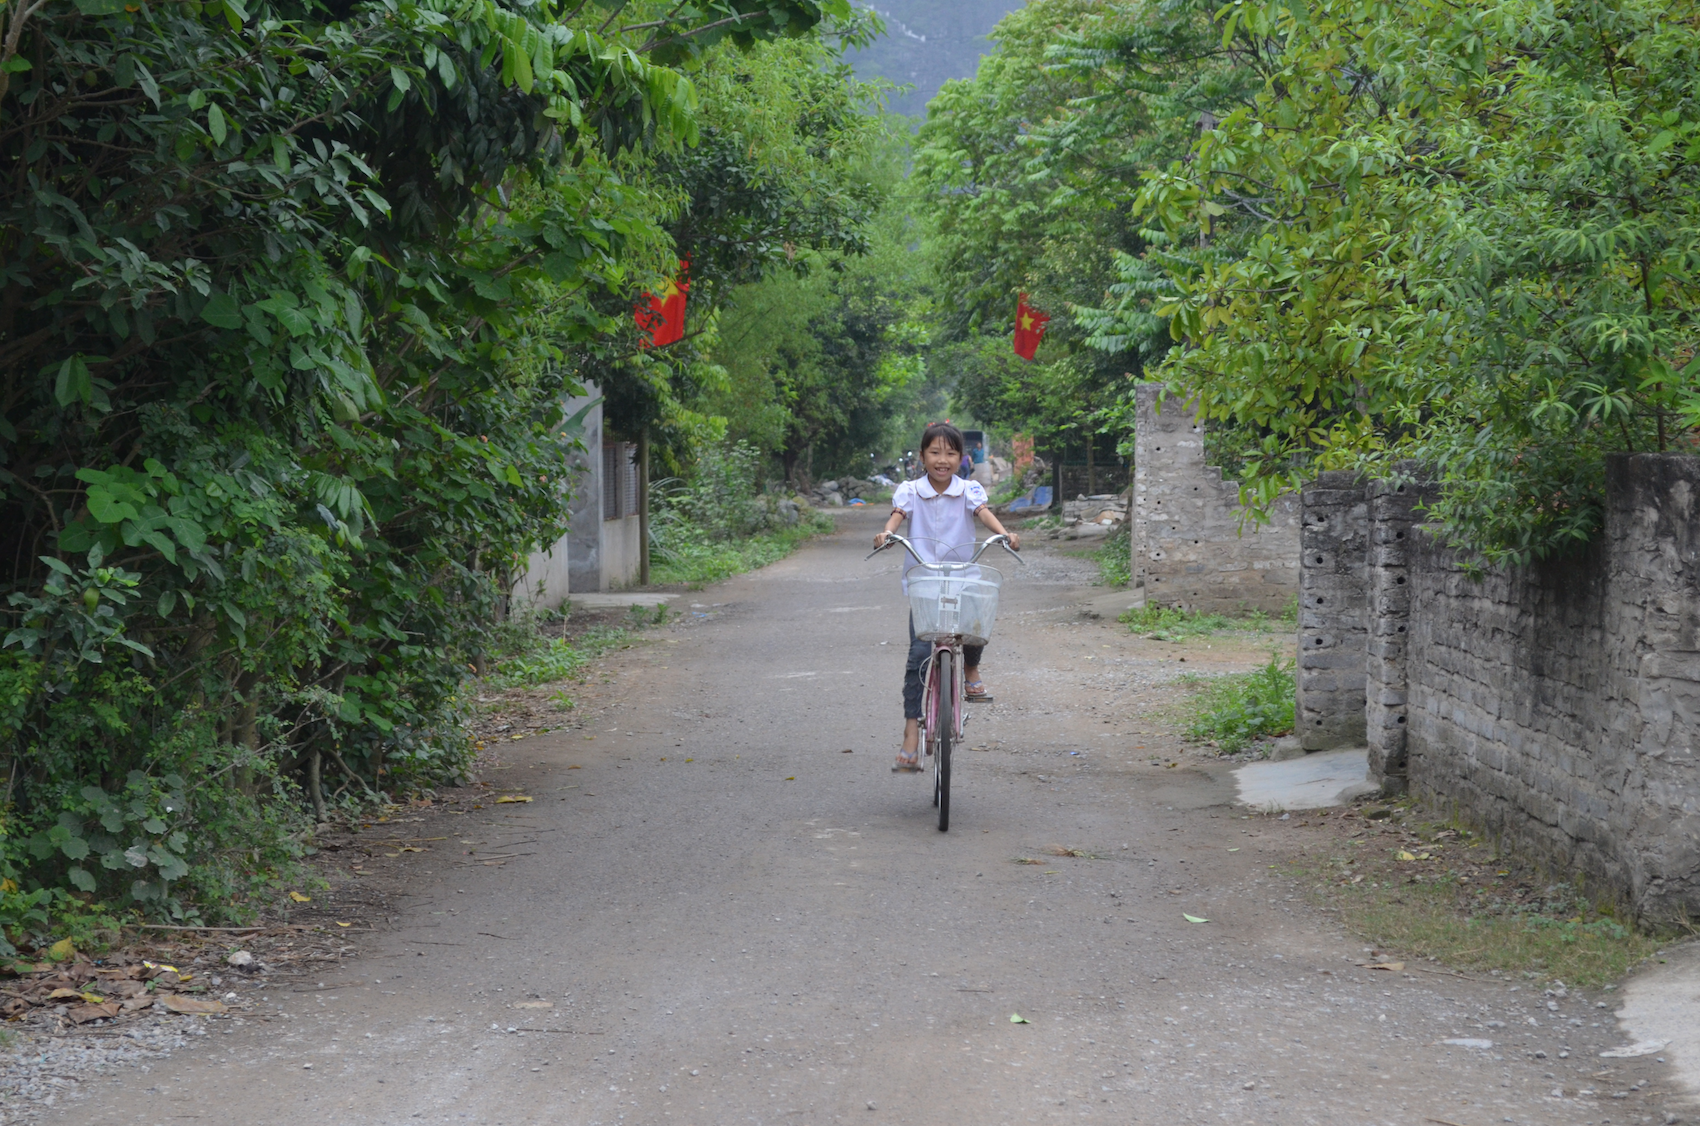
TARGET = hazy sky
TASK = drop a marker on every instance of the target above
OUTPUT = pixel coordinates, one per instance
(927, 42)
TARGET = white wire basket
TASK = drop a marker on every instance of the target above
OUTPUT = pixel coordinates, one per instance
(946, 604)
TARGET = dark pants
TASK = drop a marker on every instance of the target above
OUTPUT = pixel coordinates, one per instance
(919, 651)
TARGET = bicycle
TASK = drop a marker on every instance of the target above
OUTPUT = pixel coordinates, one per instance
(951, 604)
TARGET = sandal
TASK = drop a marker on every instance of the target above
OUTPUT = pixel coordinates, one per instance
(907, 766)
(975, 692)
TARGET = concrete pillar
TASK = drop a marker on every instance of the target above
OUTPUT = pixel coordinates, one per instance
(1333, 611)
(1194, 547)
(1393, 520)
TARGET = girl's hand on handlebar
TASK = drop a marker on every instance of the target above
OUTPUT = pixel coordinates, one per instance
(1014, 539)
(881, 539)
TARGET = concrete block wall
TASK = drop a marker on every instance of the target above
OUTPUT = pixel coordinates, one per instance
(1555, 705)
(1333, 541)
(1394, 517)
(1189, 547)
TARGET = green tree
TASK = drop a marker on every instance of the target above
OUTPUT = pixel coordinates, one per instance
(289, 299)
(1471, 241)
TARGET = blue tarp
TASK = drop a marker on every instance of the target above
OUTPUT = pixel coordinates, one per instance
(1040, 497)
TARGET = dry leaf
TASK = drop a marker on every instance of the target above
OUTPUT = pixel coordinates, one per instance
(1394, 967)
(345, 924)
(177, 1003)
(64, 994)
(505, 799)
(1027, 860)
(534, 1004)
(1403, 855)
(82, 1014)
(297, 897)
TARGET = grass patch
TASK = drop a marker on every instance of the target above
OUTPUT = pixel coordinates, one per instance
(554, 659)
(1424, 921)
(1231, 711)
(1115, 559)
(1431, 889)
(1168, 623)
(697, 562)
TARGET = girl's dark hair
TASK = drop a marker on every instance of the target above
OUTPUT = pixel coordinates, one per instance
(951, 435)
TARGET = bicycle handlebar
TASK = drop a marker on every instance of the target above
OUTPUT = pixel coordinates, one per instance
(893, 538)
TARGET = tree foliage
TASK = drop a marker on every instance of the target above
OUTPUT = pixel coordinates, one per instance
(290, 296)
(1359, 233)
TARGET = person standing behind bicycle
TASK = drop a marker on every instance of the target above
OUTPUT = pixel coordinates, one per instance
(941, 509)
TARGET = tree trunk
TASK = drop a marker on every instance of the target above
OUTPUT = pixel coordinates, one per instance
(643, 506)
(1091, 469)
(314, 789)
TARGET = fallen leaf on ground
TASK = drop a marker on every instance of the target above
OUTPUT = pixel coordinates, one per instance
(1233, 850)
(1193, 918)
(345, 924)
(1027, 860)
(1062, 850)
(505, 799)
(177, 1003)
(163, 966)
(534, 1004)
(63, 994)
(61, 950)
(848, 751)
(82, 1014)
(1403, 855)
(410, 848)
(793, 778)
(298, 898)
(1395, 967)
(1017, 1018)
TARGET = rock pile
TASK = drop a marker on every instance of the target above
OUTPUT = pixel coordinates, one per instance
(1086, 517)
(835, 494)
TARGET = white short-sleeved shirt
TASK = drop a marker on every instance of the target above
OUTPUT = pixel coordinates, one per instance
(941, 525)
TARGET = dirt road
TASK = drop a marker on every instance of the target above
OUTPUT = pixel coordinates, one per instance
(723, 917)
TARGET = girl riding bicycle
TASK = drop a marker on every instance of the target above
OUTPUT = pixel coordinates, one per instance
(941, 509)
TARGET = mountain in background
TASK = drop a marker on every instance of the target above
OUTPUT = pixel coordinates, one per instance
(928, 42)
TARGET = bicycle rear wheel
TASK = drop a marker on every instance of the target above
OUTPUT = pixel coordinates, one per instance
(945, 689)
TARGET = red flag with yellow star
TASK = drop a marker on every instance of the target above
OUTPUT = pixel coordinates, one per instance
(1029, 328)
(663, 316)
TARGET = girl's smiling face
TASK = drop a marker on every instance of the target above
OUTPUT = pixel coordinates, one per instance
(941, 462)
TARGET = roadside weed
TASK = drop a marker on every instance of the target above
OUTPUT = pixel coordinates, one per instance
(1114, 559)
(1233, 710)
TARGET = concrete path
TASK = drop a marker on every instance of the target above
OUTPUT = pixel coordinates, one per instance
(1312, 782)
(732, 913)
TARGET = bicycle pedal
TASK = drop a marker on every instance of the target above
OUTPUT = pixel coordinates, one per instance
(986, 699)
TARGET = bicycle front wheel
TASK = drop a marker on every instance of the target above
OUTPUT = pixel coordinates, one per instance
(945, 694)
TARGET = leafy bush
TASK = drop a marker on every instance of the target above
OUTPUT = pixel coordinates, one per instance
(1234, 710)
(1115, 558)
(724, 521)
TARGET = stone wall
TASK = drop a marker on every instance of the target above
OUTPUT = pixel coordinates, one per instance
(1333, 541)
(1189, 547)
(1556, 705)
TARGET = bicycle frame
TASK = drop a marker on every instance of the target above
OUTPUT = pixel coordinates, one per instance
(933, 693)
